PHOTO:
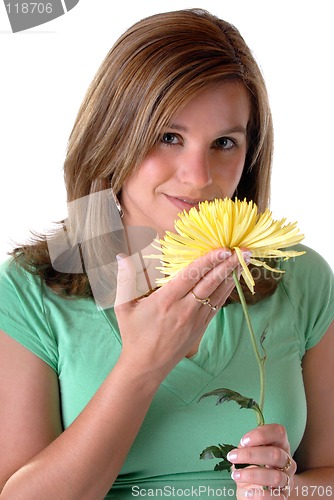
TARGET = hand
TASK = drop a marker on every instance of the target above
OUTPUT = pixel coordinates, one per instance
(267, 450)
(159, 330)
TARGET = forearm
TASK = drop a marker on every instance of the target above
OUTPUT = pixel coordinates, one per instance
(315, 483)
(84, 461)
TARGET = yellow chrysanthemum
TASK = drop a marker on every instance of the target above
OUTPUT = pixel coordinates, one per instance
(227, 224)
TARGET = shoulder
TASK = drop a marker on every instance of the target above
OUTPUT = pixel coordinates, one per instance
(13, 277)
(22, 310)
(11, 268)
(307, 273)
(311, 263)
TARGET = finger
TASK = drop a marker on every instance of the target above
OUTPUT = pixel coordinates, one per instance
(270, 456)
(262, 476)
(219, 297)
(257, 492)
(126, 280)
(224, 290)
(186, 279)
(226, 279)
(218, 280)
(268, 434)
(215, 287)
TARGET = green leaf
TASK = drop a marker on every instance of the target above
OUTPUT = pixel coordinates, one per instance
(211, 452)
(262, 339)
(220, 451)
(223, 465)
(263, 336)
(225, 395)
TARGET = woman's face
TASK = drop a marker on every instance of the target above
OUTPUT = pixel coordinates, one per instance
(200, 156)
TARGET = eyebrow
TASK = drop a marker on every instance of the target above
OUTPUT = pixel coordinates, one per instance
(237, 129)
(175, 126)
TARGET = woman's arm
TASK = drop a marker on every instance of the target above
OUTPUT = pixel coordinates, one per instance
(315, 455)
(84, 460)
(29, 406)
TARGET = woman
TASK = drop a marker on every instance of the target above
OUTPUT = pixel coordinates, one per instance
(102, 401)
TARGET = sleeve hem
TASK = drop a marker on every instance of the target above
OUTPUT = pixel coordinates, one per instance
(314, 341)
(24, 338)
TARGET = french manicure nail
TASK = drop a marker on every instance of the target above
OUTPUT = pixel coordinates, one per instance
(235, 475)
(232, 455)
(247, 256)
(224, 255)
(245, 441)
(120, 259)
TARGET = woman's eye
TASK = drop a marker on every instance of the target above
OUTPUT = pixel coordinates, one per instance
(225, 143)
(169, 138)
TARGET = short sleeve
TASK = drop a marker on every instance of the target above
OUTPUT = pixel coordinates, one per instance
(22, 314)
(308, 282)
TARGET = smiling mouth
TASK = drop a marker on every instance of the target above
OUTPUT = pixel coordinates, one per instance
(192, 201)
(189, 201)
(184, 202)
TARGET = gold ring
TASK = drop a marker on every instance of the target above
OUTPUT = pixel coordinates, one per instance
(205, 302)
(286, 466)
(285, 488)
(282, 489)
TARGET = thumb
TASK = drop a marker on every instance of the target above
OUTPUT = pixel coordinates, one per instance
(126, 280)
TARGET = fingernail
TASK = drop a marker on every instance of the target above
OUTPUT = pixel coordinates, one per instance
(224, 255)
(245, 441)
(120, 259)
(235, 475)
(232, 455)
(249, 493)
(247, 256)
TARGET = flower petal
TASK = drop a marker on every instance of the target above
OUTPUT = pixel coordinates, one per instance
(246, 274)
(227, 224)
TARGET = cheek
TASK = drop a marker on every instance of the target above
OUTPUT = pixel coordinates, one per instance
(144, 176)
(238, 166)
(231, 172)
(228, 175)
(153, 169)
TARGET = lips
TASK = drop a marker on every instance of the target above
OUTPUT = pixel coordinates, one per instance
(185, 203)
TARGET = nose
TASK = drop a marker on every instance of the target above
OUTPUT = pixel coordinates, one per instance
(194, 168)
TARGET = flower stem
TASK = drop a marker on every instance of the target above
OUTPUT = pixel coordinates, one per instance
(260, 360)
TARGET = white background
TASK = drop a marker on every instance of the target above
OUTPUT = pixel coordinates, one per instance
(45, 72)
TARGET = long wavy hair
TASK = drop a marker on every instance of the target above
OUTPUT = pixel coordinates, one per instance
(156, 67)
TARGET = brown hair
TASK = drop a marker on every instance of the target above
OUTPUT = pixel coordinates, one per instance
(156, 66)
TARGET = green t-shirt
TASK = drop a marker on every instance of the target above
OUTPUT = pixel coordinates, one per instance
(82, 344)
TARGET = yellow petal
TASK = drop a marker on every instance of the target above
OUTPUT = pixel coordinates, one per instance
(227, 224)
(246, 274)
